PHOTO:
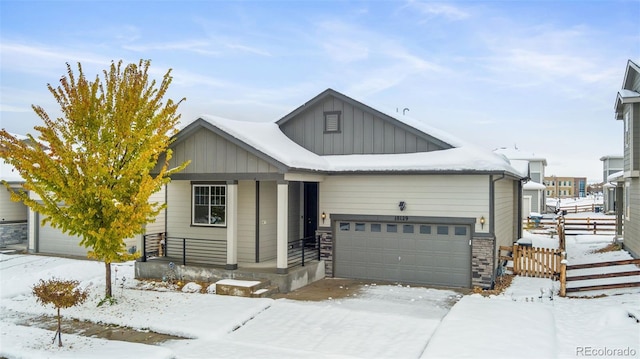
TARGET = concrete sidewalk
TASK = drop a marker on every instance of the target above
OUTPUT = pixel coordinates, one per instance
(479, 333)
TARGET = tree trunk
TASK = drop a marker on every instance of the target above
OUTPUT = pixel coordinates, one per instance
(107, 292)
(59, 329)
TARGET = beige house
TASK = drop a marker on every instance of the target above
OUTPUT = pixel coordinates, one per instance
(627, 109)
(534, 196)
(389, 198)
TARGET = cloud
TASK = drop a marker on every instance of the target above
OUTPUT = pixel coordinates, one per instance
(435, 9)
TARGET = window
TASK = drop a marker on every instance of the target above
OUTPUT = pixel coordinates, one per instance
(460, 231)
(345, 226)
(209, 205)
(332, 121)
(627, 133)
(376, 227)
(424, 229)
(407, 228)
(443, 230)
(359, 227)
(392, 228)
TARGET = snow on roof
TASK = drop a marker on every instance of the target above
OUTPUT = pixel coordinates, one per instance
(625, 94)
(517, 154)
(614, 177)
(267, 138)
(534, 186)
(521, 165)
(9, 173)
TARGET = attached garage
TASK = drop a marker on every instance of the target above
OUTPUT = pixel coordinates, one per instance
(52, 241)
(421, 253)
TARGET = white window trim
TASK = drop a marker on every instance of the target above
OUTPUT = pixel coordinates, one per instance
(193, 205)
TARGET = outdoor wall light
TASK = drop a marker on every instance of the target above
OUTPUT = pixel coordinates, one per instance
(482, 220)
(402, 205)
(323, 216)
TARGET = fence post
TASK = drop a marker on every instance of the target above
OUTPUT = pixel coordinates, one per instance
(563, 275)
(595, 225)
(144, 248)
(516, 259)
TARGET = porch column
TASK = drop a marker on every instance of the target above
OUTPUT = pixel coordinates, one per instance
(232, 225)
(282, 228)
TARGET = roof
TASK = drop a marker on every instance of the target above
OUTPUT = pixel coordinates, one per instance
(271, 143)
(517, 154)
(9, 173)
(615, 177)
(611, 157)
(627, 94)
(534, 186)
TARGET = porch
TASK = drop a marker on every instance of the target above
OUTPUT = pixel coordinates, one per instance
(206, 260)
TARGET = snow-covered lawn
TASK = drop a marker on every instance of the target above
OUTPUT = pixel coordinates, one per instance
(528, 320)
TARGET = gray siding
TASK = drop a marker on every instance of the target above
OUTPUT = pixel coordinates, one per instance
(505, 212)
(210, 153)
(246, 221)
(362, 132)
(9, 210)
(632, 221)
(268, 220)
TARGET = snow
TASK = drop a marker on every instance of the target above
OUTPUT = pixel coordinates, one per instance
(238, 283)
(9, 173)
(534, 186)
(527, 320)
(267, 138)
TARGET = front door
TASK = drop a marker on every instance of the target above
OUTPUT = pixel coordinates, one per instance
(310, 208)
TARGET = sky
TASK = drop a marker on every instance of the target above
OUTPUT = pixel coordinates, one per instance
(541, 76)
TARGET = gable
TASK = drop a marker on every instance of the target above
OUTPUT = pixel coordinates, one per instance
(210, 152)
(334, 124)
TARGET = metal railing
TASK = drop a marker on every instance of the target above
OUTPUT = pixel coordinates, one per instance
(301, 251)
(188, 250)
(214, 251)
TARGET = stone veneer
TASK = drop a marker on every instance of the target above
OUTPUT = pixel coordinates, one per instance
(326, 250)
(482, 262)
(13, 233)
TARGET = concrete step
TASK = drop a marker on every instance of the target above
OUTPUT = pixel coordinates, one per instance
(242, 288)
(266, 292)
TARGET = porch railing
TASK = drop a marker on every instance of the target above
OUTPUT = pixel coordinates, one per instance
(301, 251)
(214, 251)
(188, 250)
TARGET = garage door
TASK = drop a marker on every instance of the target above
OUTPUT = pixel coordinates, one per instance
(432, 254)
(53, 241)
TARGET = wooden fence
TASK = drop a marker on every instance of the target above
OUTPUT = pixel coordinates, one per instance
(532, 261)
(564, 278)
(583, 225)
(576, 208)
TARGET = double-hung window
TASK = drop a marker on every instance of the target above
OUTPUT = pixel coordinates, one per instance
(209, 205)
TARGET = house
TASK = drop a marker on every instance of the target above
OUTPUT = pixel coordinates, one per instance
(610, 165)
(627, 109)
(391, 198)
(533, 192)
(13, 215)
(19, 223)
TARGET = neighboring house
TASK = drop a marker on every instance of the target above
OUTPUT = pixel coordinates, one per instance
(533, 192)
(627, 109)
(610, 166)
(565, 187)
(18, 223)
(13, 215)
(399, 200)
(48, 240)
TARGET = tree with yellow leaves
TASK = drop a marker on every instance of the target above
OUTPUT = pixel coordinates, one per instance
(97, 165)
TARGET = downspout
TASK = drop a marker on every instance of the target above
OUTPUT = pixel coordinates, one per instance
(492, 226)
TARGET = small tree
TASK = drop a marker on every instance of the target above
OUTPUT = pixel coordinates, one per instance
(93, 172)
(60, 293)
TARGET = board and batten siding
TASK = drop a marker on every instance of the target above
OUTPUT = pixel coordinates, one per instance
(10, 210)
(361, 132)
(505, 206)
(211, 153)
(425, 195)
